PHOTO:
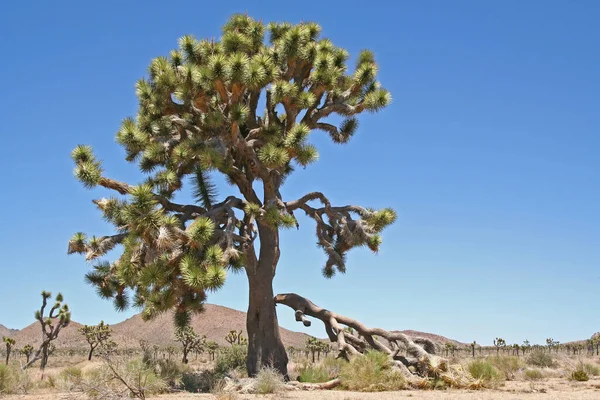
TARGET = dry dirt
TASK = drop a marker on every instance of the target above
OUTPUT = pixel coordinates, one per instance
(555, 388)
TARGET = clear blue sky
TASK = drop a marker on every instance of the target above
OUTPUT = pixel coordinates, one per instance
(489, 153)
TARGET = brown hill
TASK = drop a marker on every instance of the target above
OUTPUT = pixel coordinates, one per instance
(67, 338)
(215, 323)
(431, 336)
(4, 331)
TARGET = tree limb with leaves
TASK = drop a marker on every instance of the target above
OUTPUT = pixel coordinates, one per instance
(200, 114)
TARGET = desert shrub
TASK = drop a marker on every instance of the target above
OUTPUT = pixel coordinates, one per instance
(333, 366)
(591, 369)
(371, 372)
(200, 382)
(541, 358)
(171, 371)
(508, 365)
(14, 380)
(313, 374)
(484, 370)
(533, 375)
(231, 358)
(269, 380)
(121, 379)
(580, 375)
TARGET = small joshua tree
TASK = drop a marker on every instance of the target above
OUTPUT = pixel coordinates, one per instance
(499, 343)
(525, 346)
(473, 348)
(27, 351)
(236, 337)
(313, 345)
(190, 341)
(211, 348)
(59, 317)
(9, 342)
(95, 335)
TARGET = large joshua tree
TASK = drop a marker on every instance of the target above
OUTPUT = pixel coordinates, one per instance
(244, 107)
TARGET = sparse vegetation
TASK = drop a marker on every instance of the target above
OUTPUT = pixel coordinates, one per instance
(268, 381)
(541, 358)
(508, 365)
(533, 375)
(231, 358)
(484, 370)
(371, 373)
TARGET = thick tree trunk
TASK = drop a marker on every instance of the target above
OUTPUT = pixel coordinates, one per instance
(90, 353)
(265, 347)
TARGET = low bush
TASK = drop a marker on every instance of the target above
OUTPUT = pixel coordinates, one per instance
(591, 369)
(70, 378)
(580, 375)
(541, 358)
(13, 380)
(200, 382)
(371, 372)
(269, 380)
(231, 358)
(508, 365)
(171, 371)
(533, 375)
(313, 374)
(484, 370)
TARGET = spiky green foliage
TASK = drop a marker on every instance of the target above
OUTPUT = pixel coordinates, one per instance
(27, 351)
(245, 107)
(9, 342)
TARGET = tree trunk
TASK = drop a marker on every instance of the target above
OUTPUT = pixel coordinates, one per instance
(265, 347)
(90, 353)
(7, 354)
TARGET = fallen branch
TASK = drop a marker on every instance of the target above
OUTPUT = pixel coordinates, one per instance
(420, 359)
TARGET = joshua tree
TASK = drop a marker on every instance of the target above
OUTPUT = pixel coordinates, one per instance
(473, 348)
(59, 317)
(313, 345)
(199, 114)
(170, 350)
(9, 342)
(95, 335)
(499, 343)
(236, 337)
(27, 350)
(525, 346)
(516, 349)
(190, 341)
(211, 348)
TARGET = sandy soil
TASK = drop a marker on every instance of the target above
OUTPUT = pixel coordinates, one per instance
(558, 389)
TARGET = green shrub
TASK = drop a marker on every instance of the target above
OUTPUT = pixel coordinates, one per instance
(14, 380)
(171, 371)
(533, 375)
(231, 358)
(484, 370)
(508, 365)
(333, 366)
(580, 375)
(269, 380)
(200, 382)
(371, 372)
(6, 379)
(313, 374)
(540, 358)
(106, 381)
(591, 369)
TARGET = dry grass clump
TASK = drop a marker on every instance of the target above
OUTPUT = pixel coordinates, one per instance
(269, 380)
(371, 372)
(533, 375)
(508, 365)
(591, 369)
(485, 372)
(541, 358)
(13, 380)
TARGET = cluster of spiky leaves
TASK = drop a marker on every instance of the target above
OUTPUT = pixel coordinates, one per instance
(198, 114)
(59, 315)
(96, 334)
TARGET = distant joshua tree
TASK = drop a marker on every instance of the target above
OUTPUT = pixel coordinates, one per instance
(27, 351)
(59, 317)
(211, 348)
(499, 343)
(236, 337)
(9, 342)
(190, 341)
(473, 348)
(95, 335)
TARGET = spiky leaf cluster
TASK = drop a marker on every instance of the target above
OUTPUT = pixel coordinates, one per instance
(198, 115)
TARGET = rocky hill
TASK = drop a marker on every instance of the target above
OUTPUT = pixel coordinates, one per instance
(4, 331)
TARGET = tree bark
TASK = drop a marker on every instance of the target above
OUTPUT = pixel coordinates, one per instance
(265, 347)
